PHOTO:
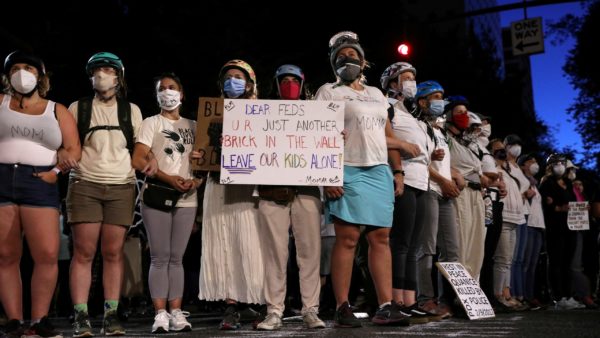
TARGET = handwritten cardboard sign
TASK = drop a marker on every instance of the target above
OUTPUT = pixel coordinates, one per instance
(472, 298)
(208, 134)
(282, 142)
(578, 217)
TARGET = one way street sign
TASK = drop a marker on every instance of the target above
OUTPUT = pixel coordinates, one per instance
(527, 36)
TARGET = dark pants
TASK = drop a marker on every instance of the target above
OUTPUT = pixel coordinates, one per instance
(405, 237)
(560, 244)
(492, 236)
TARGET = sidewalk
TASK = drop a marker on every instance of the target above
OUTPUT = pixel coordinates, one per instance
(547, 323)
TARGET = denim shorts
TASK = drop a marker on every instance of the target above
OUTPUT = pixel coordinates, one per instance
(19, 186)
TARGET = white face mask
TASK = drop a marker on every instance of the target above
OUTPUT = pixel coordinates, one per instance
(558, 169)
(169, 99)
(514, 150)
(483, 141)
(409, 88)
(486, 130)
(23, 82)
(102, 81)
(572, 175)
(534, 168)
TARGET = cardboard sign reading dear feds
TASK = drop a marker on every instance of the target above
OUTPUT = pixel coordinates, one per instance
(208, 134)
(578, 217)
(282, 142)
(472, 298)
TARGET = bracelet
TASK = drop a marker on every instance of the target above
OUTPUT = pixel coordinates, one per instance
(398, 171)
(56, 170)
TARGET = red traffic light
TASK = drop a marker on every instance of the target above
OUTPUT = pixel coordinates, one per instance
(404, 49)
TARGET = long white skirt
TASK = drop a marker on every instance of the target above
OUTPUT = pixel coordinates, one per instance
(231, 263)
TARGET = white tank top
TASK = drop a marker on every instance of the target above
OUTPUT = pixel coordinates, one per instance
(28, 139)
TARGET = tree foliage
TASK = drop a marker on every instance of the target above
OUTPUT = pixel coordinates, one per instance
(583, 71)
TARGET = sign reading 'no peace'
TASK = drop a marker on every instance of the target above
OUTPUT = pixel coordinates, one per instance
(527, 36)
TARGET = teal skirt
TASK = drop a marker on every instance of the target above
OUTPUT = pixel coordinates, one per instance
(368, 197)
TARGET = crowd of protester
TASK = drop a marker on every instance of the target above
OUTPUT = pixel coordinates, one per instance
(426, 184)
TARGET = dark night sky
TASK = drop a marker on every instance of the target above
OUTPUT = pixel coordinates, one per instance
(193, 41)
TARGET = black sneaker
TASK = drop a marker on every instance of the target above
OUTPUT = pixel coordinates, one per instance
(248, 314)
(111, 326)
(416, 316)
(344, 317)
(231, 319)
(81, 325)
(13, 329)
(391, 315)
(43, 328)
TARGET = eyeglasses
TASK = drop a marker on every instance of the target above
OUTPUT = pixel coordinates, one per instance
(343, 37)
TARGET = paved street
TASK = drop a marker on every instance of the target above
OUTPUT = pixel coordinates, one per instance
(545, 323)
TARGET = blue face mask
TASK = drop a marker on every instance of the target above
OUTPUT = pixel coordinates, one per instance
(234, 88)
(436, 107)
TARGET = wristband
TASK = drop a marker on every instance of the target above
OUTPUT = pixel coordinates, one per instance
(56, 170)
(398, 171)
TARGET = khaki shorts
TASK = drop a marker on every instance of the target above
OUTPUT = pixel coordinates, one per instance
(89, 202)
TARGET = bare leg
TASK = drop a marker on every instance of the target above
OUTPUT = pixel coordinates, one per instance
(175, 303)
(159, 304)
(11, 249)
(85, 241)
(41, 229)
(380, 263)
(342, 259)
(113, 239)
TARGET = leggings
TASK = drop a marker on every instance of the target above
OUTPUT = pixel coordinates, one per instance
(168, 235)
(406, 237)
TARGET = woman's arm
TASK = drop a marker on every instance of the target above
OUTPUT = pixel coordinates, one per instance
(70, 152)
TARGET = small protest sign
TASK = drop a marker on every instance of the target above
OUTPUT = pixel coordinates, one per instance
(472, 298)
(578, 217)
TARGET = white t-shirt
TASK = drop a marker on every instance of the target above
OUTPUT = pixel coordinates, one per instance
(365, 116)
(105, 158)
(171, 142)
(536, 214)
(464, 160)
(443, 166)
(488, 163)
(524, 183)
(513, 211)
(409, 129)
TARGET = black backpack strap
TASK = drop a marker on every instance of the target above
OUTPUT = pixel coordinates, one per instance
(84, 117)
(124, 109)
(391, 112)
(507, 170)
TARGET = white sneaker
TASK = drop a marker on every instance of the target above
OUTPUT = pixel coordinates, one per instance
(178, 321)
(312, 321)
(161, 322)
(575, 304)
(272, 322)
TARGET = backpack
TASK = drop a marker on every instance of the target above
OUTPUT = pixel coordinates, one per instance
(84, 118)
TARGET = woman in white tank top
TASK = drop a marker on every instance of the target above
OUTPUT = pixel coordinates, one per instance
(32, 129)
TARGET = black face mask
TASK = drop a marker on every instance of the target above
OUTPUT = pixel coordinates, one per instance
(500, 154)
(347, 68)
